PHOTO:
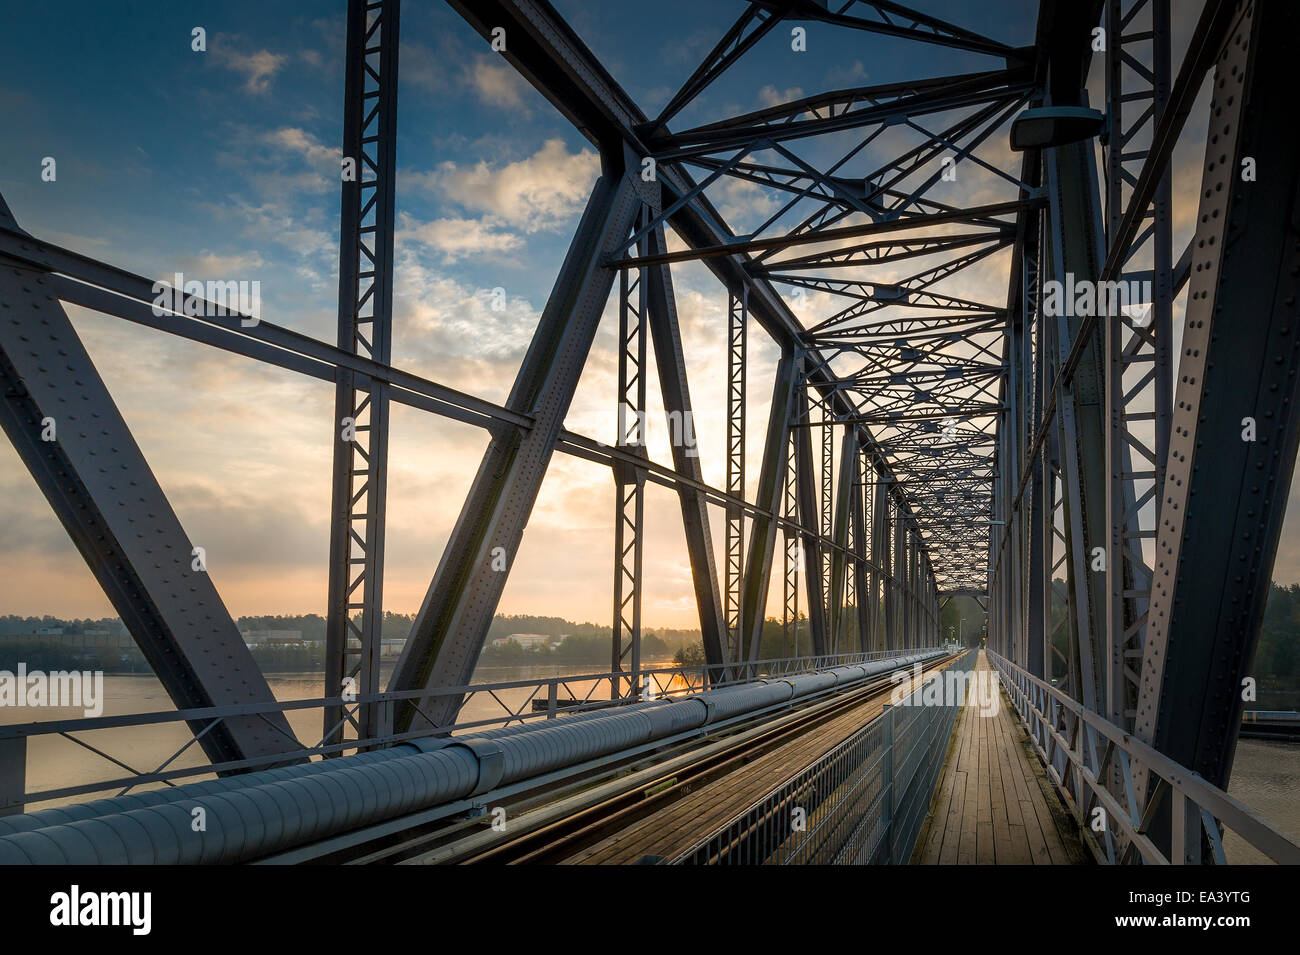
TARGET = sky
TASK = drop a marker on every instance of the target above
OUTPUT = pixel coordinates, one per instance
(224, 164)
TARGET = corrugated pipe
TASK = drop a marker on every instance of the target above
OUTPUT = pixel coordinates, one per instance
(257, 814)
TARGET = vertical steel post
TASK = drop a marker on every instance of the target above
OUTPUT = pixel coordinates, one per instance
(826, 513)
(840, 545)
(1038, 518)
(810, 520)
(13, 775)
(861, 551)
(629, 481)
(737, 320)
(774, 481)
(1136, 98)
(879, 558)
(792, 553)
(354, 621)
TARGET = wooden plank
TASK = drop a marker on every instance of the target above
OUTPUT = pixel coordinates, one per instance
(931, 839)
(1003, 849)
(967, 844)
(1047, 806)
(1026, 791)
(952, 826)
(1017, 844)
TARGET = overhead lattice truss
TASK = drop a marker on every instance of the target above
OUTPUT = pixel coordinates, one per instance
(873, 237)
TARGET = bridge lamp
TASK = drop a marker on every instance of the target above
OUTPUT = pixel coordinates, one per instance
(1046, 126)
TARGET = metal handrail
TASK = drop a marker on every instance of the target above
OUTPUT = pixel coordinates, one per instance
(1081, 749)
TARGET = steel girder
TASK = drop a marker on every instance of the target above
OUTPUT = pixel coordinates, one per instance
(69, 433)
(879, 547)
(737, 327)
(843, 561)
(629, 480)
(671, 362)
(826, 521)
(359, 490)
(810, 510)
(864, 595)
(1076, 249)
(1141, 345)
(550, 56)
(453, 621)
(776, 496)
(790, 572)
(896, 20)
(1224, 498)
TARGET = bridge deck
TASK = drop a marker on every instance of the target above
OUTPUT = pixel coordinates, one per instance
(994, 804)
(680, 826)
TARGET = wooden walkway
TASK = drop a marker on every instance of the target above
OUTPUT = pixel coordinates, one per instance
(994, 804)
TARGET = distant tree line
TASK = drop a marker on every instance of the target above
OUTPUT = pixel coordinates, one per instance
(15, 626)
(1277, 660)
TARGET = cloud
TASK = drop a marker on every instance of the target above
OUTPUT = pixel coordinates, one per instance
(540, 192)
(446, 323)
(495, 83)
(743, 204)
(209, 264)
(295, 140)
(257, 68)
(769, 95)
(847, 77)
(457, 238)
(275, 221)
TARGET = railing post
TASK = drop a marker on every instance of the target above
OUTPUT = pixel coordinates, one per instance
(887, 779)
(552, 699)
(1187, 829)
(13, 775)
(384, 719)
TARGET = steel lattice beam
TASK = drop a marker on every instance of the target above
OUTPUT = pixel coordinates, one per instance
(354, 619)
(453, 621)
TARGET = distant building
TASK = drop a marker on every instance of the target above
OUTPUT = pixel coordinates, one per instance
(50, 631)
(529, 641)
(271, 637)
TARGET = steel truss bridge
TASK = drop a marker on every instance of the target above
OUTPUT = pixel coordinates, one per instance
(1085, 477)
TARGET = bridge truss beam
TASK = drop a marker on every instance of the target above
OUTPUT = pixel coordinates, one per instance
(355, 617)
